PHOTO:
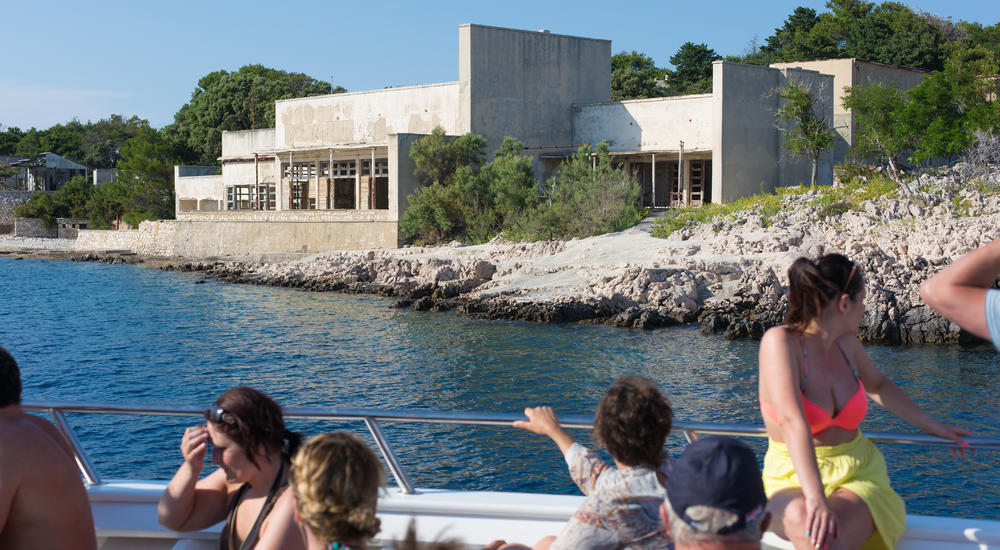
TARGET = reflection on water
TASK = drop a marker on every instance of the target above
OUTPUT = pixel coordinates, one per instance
(93, 332)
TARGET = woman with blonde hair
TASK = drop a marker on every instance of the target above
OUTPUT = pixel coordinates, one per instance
(828, 486)
(335, 480)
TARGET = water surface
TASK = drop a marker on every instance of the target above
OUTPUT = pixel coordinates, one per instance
(127, 334)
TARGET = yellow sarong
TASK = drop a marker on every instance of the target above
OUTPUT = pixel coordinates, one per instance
(856, 466)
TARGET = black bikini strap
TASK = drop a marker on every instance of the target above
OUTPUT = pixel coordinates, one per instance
(251, 539)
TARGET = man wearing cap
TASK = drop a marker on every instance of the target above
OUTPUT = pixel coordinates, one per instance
(715, 497)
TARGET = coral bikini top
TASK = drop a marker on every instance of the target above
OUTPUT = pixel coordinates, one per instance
(850, 415)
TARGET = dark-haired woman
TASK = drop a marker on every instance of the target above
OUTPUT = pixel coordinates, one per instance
(827, 484)
(622, 509)
(252, 449)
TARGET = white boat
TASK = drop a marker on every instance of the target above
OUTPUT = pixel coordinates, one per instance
(125, 510)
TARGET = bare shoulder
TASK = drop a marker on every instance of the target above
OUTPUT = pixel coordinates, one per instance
(778, 334)
(35, 441)
(777, 341)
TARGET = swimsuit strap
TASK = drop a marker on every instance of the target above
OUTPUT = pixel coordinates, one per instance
(251, 539)
(805, 364)
(850, 363)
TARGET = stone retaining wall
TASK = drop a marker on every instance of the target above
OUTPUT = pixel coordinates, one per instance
(33, 227)
(9, 198)
(153, 238)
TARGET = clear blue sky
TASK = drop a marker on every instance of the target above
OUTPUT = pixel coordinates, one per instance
(65, 58)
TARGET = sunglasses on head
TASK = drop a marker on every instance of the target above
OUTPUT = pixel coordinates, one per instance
(220, 416)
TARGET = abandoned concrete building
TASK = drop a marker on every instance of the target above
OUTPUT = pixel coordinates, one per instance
(335, 172)
(43, 172)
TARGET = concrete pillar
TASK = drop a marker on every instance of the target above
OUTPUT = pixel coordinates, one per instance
(654, 179)
(357, 181)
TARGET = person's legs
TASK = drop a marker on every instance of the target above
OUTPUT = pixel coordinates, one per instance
(788, 513)
(856, 523)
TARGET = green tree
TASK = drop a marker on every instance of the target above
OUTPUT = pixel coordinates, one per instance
(807, 133)
(879, 112)
(893, 33)
(794, 40)
(634, 76)
(692, 72)
(70, 201)
(102, 140)
(462, 198)
(946, 108)
(9, 139)
(588, 196)
(242, 100)
(146, 174)
(447, 167)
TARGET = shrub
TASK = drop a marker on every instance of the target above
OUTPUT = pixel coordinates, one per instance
(588, 196)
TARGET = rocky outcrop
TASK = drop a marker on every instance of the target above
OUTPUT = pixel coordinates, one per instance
(728, 274)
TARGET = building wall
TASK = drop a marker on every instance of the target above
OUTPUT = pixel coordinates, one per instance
(848, 72)
(366, 117)
(247, 142)
(200, 239)
(152, 238)
(33, 227)
(748, 156)
(797, 170)
(523, 84)
(9, 199)
(745, 142)
(647, 124)
(197, 192)
(402, 181)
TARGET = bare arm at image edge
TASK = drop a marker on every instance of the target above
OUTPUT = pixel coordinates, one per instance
(959, 292)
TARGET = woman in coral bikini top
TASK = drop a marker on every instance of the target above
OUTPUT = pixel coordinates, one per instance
(827, 484)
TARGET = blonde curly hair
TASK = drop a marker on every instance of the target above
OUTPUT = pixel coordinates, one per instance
(335, 478)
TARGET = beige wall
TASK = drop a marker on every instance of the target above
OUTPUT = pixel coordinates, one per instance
(647, 124)
(242, 172)
(190, 191)
(524, 84)
(747, 156)
(247, 142)
(848, 72)
(366, 117)
(199, 239)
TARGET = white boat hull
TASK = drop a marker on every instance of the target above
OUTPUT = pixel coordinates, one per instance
(125, 518)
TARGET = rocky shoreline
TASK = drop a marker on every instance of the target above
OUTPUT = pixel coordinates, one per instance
(727, 275)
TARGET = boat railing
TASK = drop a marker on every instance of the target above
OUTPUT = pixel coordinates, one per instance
(373, 419)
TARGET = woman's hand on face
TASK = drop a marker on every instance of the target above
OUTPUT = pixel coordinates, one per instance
(821, 523)
(194, 444)
(541, 420)
(954, 433)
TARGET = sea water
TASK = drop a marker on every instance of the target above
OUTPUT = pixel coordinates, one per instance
(132, 335)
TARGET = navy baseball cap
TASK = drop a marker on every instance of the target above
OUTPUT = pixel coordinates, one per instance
(720, 472)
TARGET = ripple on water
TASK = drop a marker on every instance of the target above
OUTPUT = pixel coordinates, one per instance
(93, 332)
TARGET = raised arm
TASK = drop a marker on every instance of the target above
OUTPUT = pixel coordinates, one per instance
(886, 393)
(543, 421)
(188, 504)
(779, 386)
(959, 291)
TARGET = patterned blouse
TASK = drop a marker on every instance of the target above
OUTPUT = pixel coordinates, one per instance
(622, 510)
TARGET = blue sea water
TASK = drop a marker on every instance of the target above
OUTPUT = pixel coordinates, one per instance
(128, 334)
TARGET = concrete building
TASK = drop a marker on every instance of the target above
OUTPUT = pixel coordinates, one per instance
(44, 172)
(335, 172)
(849, 72)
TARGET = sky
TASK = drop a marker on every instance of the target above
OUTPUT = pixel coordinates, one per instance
(66, 59)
